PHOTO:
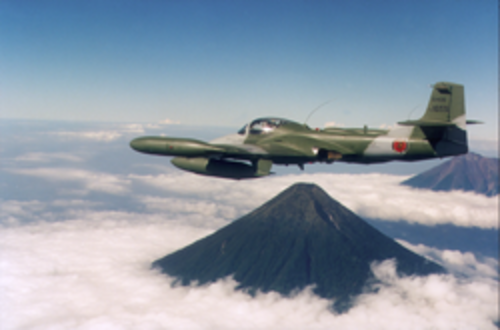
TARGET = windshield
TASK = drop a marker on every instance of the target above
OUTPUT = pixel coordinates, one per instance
(243, 130)
(265, 125)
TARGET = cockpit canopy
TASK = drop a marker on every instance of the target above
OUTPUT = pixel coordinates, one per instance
(263, 125)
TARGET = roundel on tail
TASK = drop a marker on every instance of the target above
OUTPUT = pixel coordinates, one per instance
(399, 146)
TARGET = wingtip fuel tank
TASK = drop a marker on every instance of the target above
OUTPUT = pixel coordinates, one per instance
(173, 146)
(223, 168)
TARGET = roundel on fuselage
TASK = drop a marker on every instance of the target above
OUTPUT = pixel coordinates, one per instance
(399, 146)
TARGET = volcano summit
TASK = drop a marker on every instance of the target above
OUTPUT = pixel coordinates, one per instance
(299, 238)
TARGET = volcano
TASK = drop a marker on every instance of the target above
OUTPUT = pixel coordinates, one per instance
(470, 172)
(299, 238)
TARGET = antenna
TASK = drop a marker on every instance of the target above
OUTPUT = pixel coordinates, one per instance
(415, 108)
(316, 109)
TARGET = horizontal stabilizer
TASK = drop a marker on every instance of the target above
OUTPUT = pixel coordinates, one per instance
(426, 123)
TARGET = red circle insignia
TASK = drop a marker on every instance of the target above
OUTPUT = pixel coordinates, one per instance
(399, 146)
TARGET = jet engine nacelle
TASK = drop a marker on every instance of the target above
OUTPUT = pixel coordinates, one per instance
(223, 168)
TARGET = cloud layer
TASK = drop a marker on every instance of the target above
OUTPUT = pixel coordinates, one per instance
(103, 135)
(375, 196)
(94, 273)
(87, 180)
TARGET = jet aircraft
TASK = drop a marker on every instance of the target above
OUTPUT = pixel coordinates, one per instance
(251, 152)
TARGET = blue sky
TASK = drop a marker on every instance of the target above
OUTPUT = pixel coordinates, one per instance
(226, 62)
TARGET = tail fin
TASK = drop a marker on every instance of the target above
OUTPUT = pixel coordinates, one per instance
(446, 104)
(444, 123)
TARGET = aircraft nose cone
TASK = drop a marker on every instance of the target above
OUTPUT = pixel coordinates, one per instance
(138, 144)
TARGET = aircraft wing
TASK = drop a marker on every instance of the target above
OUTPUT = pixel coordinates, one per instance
(244, 151)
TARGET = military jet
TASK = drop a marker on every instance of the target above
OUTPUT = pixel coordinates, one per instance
(251, 152)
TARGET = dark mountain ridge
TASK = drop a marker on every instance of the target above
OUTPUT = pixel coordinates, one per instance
(469, 172)
(301, 237)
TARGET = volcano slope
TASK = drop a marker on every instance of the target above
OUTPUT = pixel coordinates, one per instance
(470, 172)
(299, 238)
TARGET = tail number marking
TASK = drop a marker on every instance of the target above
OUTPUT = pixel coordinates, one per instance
(440, 108)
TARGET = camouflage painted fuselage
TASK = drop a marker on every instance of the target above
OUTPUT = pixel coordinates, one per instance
(294, 143)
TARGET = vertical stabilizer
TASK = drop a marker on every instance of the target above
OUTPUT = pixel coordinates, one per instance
(446, 105)
(443, 124)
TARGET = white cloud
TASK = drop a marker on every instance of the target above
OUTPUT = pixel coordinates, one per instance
(333, 124)
(376, 196)
(133, 128)
(72, 203)
(12, 212)
(114, 132)
(460, 263)
(153, 126)
(168, 121)
(46, 157)
(211, 212)
(388, 126)
(90, 181)
(103, 136)
(246, 194)
(432, 302)
(94, 273)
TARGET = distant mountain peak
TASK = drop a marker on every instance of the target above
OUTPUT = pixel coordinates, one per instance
(469, 172)
(471, 156)
(299, 238)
